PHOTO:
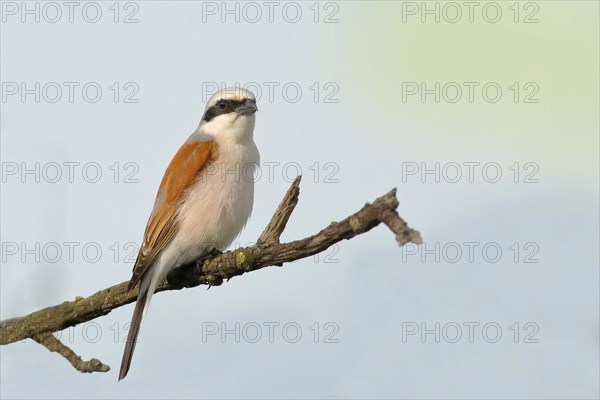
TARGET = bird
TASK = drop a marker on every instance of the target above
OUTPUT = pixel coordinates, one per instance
(203, 202)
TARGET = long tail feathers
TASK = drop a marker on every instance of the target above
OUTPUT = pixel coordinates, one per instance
(138, 314)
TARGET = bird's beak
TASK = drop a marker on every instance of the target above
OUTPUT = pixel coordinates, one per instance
(248, 108)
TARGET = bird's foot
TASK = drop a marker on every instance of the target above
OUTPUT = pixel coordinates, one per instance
(212, 253)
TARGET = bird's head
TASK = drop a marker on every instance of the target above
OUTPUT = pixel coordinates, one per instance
(230, 112)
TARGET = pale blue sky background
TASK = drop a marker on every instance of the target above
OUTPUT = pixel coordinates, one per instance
(369, 289)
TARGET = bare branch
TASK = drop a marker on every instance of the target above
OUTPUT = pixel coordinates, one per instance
(47, 340)
(211, 271)
(273, 231)
(397, 225)
(66, 314)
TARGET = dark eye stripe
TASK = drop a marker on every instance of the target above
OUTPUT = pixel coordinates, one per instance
(214, 110)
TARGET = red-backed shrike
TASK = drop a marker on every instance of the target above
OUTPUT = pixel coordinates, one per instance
(197, 209)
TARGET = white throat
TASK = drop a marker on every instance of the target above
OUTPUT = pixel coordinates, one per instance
(231, 127)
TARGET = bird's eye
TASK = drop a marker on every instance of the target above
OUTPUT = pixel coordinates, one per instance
(222, 104)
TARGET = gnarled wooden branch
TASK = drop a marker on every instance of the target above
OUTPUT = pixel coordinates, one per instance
(47, 340)
(268, 251)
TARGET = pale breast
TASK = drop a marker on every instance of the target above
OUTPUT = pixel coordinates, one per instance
(219, 203)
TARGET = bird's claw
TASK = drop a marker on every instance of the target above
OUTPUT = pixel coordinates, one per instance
(212, 253)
